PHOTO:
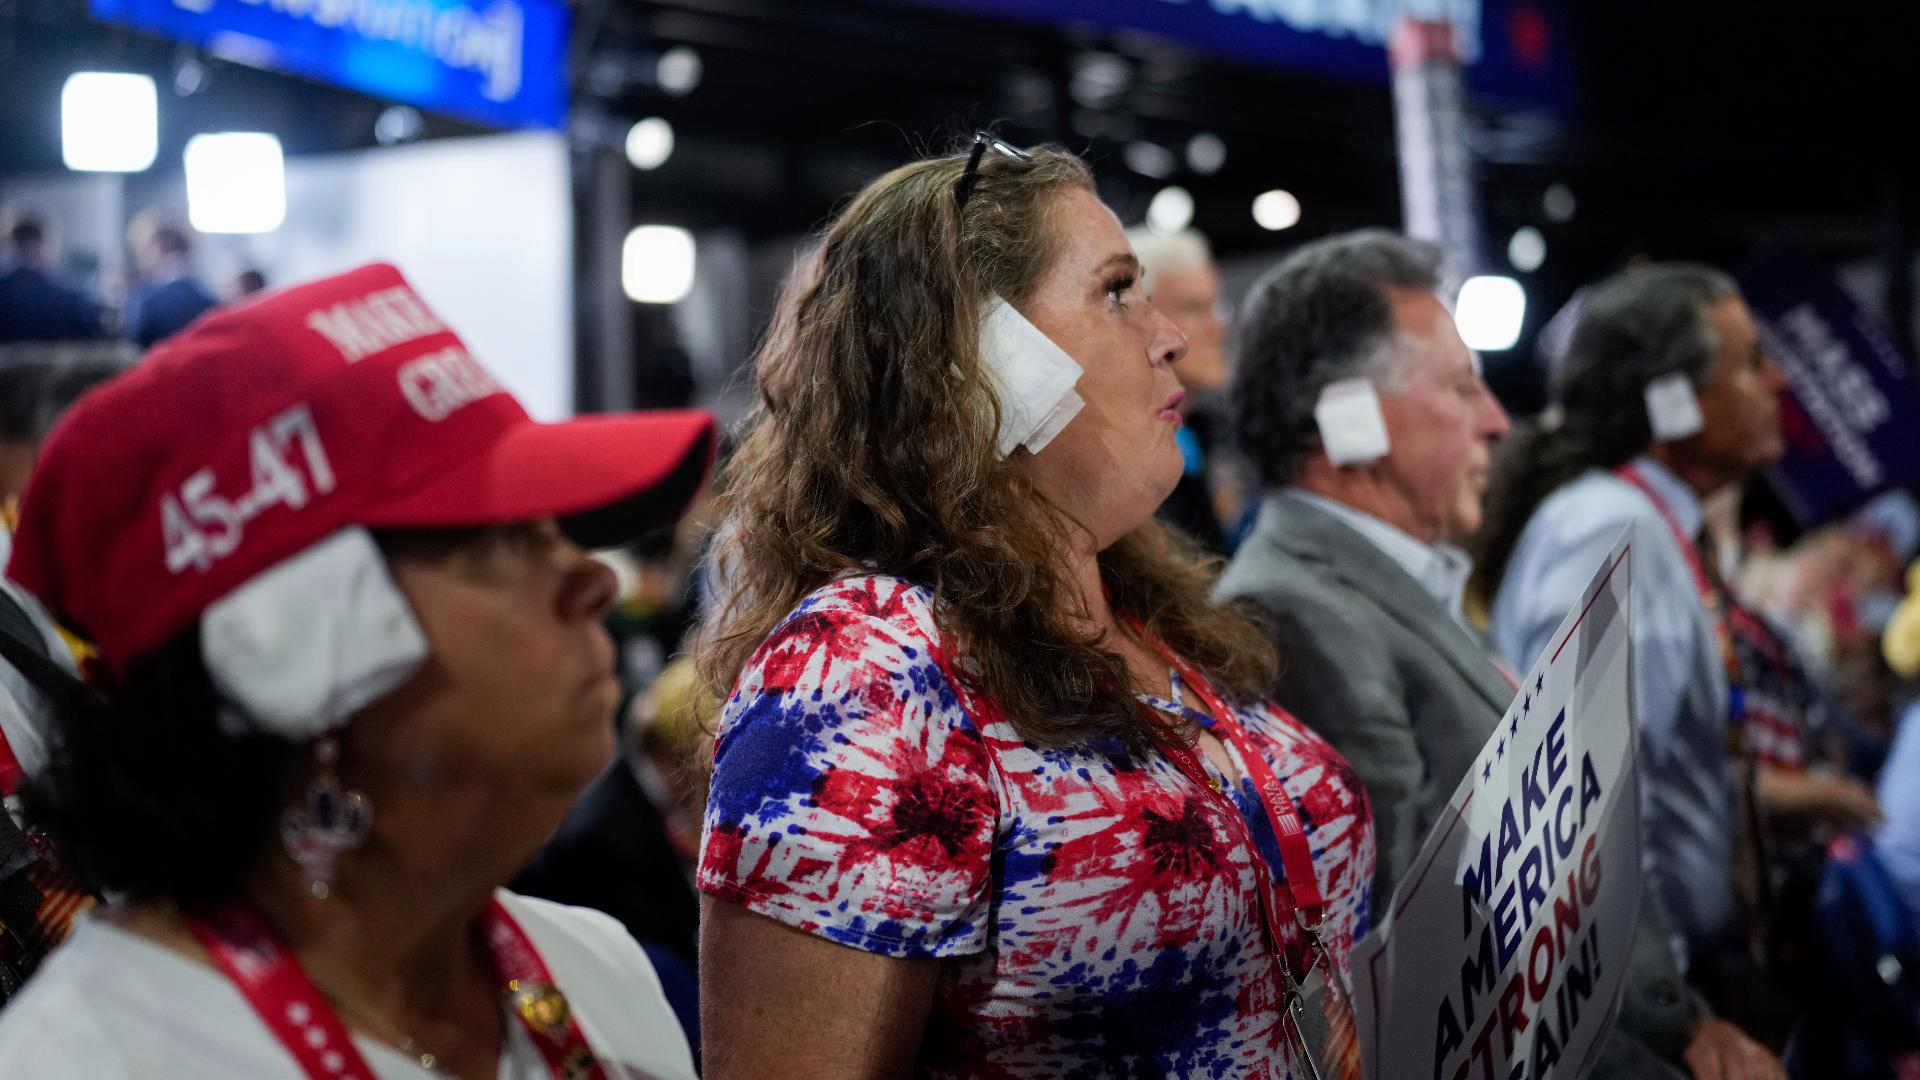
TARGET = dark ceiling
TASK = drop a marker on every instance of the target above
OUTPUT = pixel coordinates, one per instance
(1696, 128)
(1691, 130)
(1699, 126)
(1702, 123)
(819, 97)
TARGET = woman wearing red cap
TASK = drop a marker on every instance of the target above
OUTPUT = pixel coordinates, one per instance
(997, 792)
(351, 674)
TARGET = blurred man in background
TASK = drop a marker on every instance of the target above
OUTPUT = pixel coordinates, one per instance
(167, 298)
(1665, 396)
(1351, 559)
(34, 304)
(1179, 276)
(1353, 562)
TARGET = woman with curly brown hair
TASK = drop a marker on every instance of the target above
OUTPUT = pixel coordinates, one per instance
(996, 790)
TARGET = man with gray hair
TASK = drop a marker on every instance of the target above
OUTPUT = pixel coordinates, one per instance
(1369, 423)
(1179, 277)
(1366, 418)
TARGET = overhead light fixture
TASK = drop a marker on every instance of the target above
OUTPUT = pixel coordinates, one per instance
(610, 74)
(109, 122)
(1558, 203)
(1170, 211)
(650, 143)
(398, 124)
(1527, 249)
(1206, 153)
(1030, 92)
(1149, 159)
(190, 76)
(1490, 311)
(678, 71)
(1275, 210)
(1091, 123)
(1099, 79)
(236, 182)
(656, 264)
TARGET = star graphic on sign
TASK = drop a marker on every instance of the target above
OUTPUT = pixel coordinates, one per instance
(1486, 770)
(1514, 728)
(1540, 685)
(1526, 704)
(1500, 750)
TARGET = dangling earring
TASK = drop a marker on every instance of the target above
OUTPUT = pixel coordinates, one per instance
(327, 822)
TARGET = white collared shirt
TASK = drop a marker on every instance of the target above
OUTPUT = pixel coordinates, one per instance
(112, 1005)
(1441, 569)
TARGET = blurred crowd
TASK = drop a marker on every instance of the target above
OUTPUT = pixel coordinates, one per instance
(963, 722)
(41, 303)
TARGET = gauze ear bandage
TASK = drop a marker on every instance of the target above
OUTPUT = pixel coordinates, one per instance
(1672, 408)
(1352, 429)
(1033, 378)
(302, 646)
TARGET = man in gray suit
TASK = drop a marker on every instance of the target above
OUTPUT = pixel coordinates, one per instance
(1366, 416)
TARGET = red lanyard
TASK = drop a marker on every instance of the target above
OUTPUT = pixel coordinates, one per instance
(1711, 596)
(246, 949)
(1296, 855)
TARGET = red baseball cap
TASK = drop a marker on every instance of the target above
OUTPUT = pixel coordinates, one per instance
(265, 428)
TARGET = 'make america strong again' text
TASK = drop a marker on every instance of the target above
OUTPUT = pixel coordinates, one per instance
(1520, 862)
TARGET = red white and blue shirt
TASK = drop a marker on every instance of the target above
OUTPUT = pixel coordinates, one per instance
(1099, 913)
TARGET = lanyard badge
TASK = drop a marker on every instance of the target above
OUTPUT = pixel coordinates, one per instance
(1319, 1011)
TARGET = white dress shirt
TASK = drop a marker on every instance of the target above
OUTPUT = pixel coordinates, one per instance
(1441, 570)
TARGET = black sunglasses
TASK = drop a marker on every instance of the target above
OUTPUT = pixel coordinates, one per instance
(982, 142)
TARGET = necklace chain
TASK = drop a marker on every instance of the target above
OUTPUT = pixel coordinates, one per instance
(428, 1059)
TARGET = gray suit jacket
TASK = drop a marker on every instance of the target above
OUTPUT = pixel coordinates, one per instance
(1380, 669)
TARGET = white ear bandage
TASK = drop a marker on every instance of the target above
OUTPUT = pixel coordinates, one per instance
(1672, 408)
(1033, 378)
(310, 641)
(1352, 429)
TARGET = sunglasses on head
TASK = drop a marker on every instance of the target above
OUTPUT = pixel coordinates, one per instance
(982, 142)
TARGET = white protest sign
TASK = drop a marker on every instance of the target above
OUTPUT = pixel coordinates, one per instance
(1502, 954)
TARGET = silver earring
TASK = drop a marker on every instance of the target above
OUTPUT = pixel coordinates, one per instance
(327, 822)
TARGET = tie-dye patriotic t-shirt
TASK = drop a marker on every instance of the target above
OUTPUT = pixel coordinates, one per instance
(1098, 913)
